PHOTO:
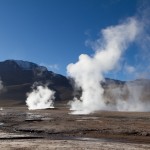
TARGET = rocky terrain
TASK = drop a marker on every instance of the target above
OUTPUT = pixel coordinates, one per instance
(58, 129)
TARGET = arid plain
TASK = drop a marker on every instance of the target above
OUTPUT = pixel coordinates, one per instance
(58, 129)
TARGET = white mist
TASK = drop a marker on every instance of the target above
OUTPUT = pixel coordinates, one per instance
(40, 98)
(89, 71)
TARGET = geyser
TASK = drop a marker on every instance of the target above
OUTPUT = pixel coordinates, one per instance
(1, 88)
(1, 85)
(40, 98)
(89, 71)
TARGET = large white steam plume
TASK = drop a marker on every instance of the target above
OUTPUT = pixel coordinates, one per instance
(89, 70)
(40, 98)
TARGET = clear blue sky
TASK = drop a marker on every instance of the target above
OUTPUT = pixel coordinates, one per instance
(53, 32)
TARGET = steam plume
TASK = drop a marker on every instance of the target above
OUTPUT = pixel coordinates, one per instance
(129, 96)
(1, 85)
(40, 98)
(135, 100)
(89, 70)
(1, 88)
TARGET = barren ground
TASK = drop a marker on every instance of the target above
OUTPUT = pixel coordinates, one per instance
(57, 129)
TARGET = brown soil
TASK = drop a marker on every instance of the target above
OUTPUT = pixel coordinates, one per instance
(57, 129)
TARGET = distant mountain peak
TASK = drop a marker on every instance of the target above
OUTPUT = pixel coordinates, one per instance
(26, 65)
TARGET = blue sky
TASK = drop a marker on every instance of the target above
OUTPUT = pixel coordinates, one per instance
(53, 32)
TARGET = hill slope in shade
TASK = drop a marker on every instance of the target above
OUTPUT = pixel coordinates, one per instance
(18, 77)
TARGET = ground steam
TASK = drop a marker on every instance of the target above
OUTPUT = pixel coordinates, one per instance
(40, 98)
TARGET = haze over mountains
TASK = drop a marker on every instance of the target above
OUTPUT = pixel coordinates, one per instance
(18, 77)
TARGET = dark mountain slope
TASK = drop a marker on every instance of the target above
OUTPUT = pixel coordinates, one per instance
(18, 76)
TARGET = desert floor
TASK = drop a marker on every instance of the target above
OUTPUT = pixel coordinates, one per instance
(21, 129)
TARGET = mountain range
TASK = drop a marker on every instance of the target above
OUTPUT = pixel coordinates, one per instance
(18, 76)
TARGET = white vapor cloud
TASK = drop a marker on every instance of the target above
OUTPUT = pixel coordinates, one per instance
(53, 67)
(134, 100)
(1, 85)
(130, 69)
(131, 96)
(40, 98)
(89, 71)
(1, 88)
